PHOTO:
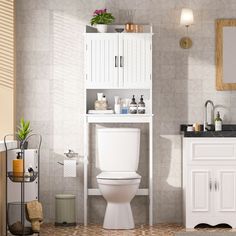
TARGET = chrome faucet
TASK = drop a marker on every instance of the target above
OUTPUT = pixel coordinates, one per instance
(206, 126)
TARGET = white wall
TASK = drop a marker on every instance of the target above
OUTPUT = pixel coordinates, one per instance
(50, 88)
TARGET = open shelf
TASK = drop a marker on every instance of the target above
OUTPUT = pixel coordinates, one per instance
(119, 118)
(20, 177)
(123, 94)
(18, 192)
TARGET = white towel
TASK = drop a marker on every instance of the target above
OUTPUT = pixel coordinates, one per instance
(69, 168)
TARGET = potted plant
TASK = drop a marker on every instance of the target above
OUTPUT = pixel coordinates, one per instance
(22, 132)
(101, 18)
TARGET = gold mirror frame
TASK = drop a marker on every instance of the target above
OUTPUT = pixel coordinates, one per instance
(220, 23)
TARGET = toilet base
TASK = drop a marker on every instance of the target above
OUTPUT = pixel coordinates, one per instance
(118, 216)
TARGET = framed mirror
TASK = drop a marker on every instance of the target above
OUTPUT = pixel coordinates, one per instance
(226, 54)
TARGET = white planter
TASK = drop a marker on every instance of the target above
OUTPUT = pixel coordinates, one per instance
(102, 28)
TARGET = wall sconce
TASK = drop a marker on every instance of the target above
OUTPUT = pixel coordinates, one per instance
(186, 19)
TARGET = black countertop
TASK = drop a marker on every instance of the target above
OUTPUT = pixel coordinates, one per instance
(227, 131)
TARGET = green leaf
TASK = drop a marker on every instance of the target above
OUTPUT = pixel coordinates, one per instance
(26, 127)
(23, 130)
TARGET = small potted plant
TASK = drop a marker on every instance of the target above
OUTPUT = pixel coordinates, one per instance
(101, 18)
(22, 132)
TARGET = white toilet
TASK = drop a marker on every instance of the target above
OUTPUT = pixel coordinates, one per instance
(118, 158)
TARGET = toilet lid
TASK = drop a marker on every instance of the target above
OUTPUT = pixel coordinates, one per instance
(118, 175)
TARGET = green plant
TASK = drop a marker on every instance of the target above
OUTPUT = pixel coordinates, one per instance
(102, 17)
(23, 130)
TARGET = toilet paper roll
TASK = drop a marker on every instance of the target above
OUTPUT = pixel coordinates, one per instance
(69, 168)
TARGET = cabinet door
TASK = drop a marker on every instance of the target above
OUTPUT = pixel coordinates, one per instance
(135, 51)
(225, 187)
(200, 188)
(102, 60)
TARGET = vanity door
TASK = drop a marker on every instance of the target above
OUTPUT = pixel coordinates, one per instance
(135, 56)
(199, 207)
(102, 60)
(200, 187)
(225, 188)
(225, 195)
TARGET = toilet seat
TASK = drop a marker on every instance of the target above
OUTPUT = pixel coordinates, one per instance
(118, 178)
(119, 175)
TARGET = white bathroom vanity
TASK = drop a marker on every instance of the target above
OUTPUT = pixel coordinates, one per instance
(209, 181)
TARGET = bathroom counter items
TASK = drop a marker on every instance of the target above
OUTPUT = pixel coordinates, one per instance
(11, 144)
(228, 130)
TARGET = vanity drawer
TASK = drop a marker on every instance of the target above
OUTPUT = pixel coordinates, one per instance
(212, 149)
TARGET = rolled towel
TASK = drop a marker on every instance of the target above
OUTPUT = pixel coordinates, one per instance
(35, 214)
(36, 225)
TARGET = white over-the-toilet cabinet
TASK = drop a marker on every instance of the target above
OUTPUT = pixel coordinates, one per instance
(116, 60)
(118, 64)
(209, 181)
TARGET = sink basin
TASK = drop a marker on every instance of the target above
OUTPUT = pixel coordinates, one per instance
(227, 131)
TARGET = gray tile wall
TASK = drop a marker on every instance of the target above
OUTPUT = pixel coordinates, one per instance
(50, 89)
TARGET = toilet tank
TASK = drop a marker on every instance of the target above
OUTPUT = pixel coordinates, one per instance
(118, 149)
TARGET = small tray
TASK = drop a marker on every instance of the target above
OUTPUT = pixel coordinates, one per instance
(22, 177)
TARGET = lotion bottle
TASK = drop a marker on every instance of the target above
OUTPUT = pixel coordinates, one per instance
(17, 164)
(117, 105)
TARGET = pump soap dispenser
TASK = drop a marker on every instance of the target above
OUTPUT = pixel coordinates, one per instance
(17, 164)
(141, 106)
(133, 106)
(218, 122)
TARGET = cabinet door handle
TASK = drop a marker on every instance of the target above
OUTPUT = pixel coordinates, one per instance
(210, 185)
(121, 61)
(116, 61)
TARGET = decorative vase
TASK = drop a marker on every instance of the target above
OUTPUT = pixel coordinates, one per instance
(129, 27)
(102, 28)
(25, 146)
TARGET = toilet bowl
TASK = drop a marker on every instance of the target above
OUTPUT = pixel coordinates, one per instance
(118, 158)
(118, 189)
